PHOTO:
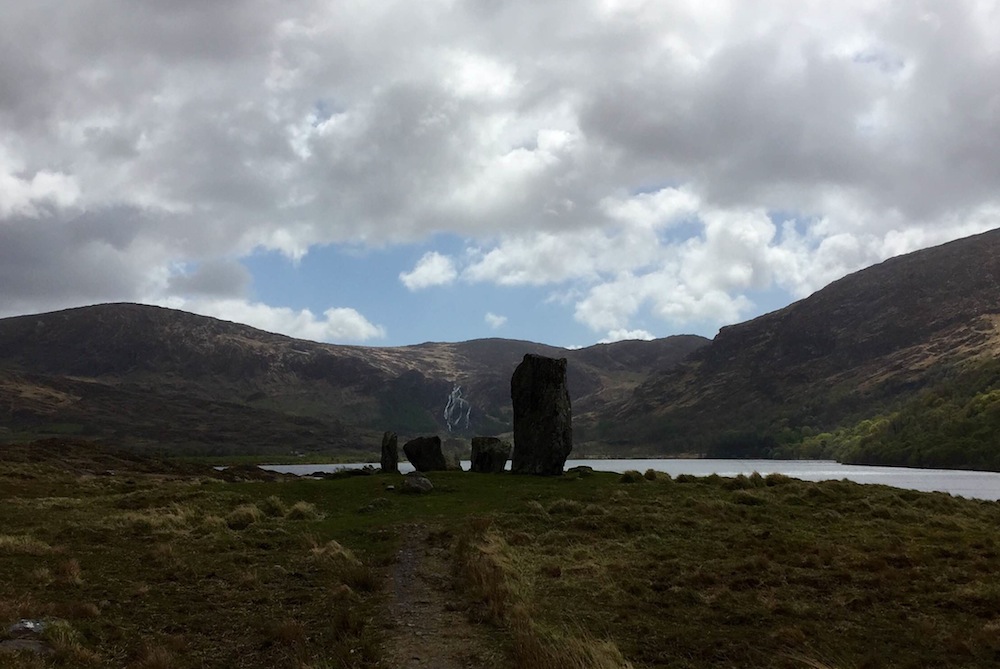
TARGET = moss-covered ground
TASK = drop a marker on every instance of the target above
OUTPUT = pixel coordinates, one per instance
(140, 565)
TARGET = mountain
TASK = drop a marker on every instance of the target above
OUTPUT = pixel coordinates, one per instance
(897, 364)
(142, 375)
(864, 348)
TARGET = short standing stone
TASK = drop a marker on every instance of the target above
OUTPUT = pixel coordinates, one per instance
(489, 454)
(543, 423)
(453, 461)
(390, 453)
(424, 453)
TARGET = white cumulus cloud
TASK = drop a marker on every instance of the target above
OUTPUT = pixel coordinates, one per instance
(495, 321)
(433, 269)
(626, 335)
(335, 325)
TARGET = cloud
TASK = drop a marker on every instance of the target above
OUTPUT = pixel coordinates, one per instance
(750, 146)
(624, 335)
(33, 196)
(336, 325)
(217, 278)
(433, 269)
(495, 321)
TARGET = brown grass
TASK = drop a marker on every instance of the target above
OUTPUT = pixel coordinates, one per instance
(68, 572)
(288, 633)
(155, 657)
(23, 545)
(488, 571)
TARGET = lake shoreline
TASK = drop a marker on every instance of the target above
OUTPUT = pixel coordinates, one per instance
(963, 483)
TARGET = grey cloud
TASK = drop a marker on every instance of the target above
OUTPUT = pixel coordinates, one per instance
(43, 268)
(214, 278)
(748, 129)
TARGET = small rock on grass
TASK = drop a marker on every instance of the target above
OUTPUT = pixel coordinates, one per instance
(416, 483)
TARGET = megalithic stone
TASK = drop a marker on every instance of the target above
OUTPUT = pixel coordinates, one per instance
(424, 453)
(489, 455)
(543, 420)
(390, 453)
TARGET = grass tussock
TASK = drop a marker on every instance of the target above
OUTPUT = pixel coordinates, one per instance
(303, 511)
(172, 519)
(244, 516)
(156, 657)
(565, 506)
(68, 572)
(289, 633)
(632, 476)
(23, 545)
(69, 648)
(332, 551)
(273, 507)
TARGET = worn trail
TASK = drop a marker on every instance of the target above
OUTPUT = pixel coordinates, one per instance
(427, 626)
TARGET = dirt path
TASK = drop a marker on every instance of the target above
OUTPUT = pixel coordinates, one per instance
(427, 626)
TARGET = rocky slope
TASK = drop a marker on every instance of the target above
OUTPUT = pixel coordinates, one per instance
(857, 348)
(147, 375)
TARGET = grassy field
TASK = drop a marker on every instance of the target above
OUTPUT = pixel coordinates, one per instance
(143, 564)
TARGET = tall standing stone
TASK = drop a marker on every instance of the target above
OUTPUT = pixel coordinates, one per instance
(390, 453)
(424, 453)
(543, 422)
(489, 454)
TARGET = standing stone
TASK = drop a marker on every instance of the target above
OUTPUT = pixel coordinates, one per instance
(390, 453)
(424, 453)
(453, 450)
(543, 421)
(489, 454)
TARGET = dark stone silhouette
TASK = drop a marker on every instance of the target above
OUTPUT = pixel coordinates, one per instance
(543, 422)
(390, 453)
(424, 453)
(489, 455)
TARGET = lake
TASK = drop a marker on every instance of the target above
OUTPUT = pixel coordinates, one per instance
(975, 485)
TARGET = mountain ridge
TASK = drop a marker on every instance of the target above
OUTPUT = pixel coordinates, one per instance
(328, 396)
(841, 373)
(865, 341)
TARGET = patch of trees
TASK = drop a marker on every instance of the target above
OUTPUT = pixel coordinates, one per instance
(954, 424)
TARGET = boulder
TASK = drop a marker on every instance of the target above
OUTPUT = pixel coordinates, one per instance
(415, 483)
(489, 454)
(26, 637)
(390, 453)
(424, 453)
(543, 423)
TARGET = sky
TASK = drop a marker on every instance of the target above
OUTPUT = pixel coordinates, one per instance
(386, 173)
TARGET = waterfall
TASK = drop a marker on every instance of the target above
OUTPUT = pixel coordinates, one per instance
(457, 409)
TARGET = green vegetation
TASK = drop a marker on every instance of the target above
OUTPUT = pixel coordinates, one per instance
(955, 423)
(161, 565)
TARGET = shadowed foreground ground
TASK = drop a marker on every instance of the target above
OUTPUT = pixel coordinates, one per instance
(134, 563)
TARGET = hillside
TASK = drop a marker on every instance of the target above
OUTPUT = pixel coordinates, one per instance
(861, 348)
(141, 375)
